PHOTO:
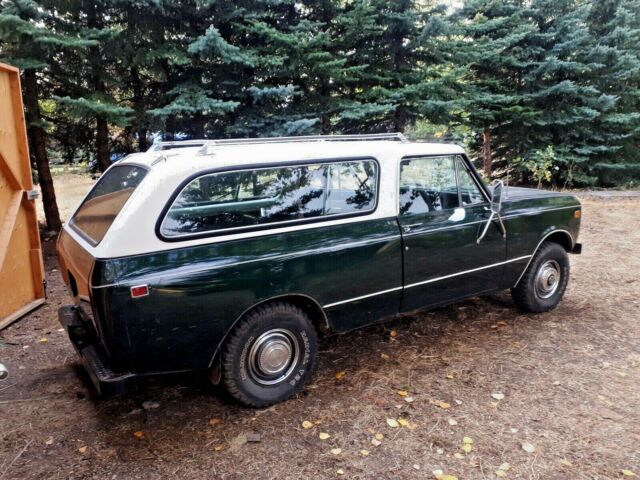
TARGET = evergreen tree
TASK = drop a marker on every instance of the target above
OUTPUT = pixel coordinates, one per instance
(28, 44)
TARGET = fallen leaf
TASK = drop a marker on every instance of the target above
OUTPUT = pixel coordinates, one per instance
(416, 466)
(458, 455)
(340, 471)
(375, 442)
(219, 447)
(404, 422)
(412, 426)
(627, 473)
(238, 441)
(379, 436)
(393, 334)
(505, 466)
(450, 376)
(307, 424)
(82, 449)
(384, 356)
(215, 421)
(497, 396)
(446, 476)
(467, 444)
(138, 434)
(528, 447)
(408, 399)
(566, 463)
(43, 340)
(501, 473)
(323, 436)
(49, 441)
(364, 452)
(452, 422)
(440, 403)
(403, 393)
(392, 422)
(340, 375)
(336, 451)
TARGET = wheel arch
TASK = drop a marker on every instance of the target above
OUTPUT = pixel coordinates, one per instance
(307, 304)
(560, 236)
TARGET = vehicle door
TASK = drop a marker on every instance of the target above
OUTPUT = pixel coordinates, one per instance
(442, 212)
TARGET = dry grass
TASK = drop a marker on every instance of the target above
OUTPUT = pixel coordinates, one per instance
(570, 379)
(71, 190)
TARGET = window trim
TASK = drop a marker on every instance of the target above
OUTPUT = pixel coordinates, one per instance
(475, 178)
(266, 226)
(71, 221)
(467, 163)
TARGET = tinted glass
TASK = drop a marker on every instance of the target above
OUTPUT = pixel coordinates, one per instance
(104, 202)
(428, 184)
(469, 190)
(249, 198)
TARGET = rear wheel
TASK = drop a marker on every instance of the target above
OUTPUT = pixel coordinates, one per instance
(543, 284)
(269, 355)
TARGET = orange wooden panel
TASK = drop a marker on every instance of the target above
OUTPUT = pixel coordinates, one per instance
(21, 266)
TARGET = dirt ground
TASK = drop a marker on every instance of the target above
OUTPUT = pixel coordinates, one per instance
(555, 395)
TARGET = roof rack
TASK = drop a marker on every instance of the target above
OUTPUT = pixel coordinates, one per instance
(398, 137)
(158, 146)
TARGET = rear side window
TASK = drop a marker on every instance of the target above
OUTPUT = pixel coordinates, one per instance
(249, 198)
(104, 202)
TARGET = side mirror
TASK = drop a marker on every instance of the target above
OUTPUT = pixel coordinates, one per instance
(496, 205)
(496, 197)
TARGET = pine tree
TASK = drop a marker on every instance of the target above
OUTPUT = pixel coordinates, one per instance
(28, 44)
(617, 26)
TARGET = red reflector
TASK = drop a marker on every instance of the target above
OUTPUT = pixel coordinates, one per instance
(139, 291)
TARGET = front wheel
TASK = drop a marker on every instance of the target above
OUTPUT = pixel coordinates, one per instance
(269, 355)
(543, 284)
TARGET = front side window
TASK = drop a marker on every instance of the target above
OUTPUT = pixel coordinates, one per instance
(428, 184)
(100, 208)
(249, 198)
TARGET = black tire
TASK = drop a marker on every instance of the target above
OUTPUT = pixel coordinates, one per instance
(260, 342)
(535, 292)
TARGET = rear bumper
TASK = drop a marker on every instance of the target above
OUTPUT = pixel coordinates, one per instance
(577, 249)
(95, 361)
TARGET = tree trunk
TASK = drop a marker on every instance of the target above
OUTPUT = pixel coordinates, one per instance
(198, 125)
(102, 128)
(102, 143)
(39, 151)
(486, 151)
(143, 144)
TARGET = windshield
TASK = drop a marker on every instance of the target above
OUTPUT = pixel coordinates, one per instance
(104, 202)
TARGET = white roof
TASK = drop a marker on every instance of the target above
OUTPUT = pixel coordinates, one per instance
(193, 159)
(133, 231)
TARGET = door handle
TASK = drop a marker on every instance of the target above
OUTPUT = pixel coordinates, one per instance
(407, 228)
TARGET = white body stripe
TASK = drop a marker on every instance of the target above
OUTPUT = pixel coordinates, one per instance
(431, 280)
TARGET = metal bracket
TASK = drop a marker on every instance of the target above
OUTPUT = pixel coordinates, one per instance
(32, 194)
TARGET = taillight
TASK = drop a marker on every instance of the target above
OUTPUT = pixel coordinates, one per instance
(139, 291)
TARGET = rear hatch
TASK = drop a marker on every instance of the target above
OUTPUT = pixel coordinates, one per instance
(87, 228)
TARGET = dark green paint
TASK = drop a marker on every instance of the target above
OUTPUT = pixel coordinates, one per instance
(198, 293)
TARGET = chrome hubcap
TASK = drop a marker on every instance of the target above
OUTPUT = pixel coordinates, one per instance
(273, 356)
(547, 279)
